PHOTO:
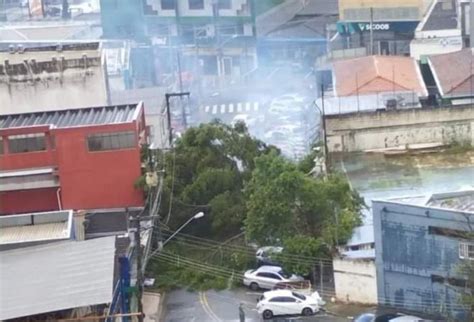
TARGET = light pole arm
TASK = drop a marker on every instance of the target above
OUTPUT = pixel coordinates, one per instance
(178, 230)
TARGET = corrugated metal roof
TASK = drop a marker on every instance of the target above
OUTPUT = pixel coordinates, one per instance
(56, 276)
(73, 117)
(31, 233)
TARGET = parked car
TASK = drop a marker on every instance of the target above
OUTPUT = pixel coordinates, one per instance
(264, 255)
(390, 317)
(267, 277)
(286, 302)
(301, 287)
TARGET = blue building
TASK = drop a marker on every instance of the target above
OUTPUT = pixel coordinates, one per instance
(420, 243)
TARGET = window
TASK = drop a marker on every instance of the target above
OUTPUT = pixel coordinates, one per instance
(26, 143)
(278, 299)
(466, 251)
(168, 4)
(111, 141)
(196, 4)
(224, 4)
(299, 296)
(269, 275)
(283, 299)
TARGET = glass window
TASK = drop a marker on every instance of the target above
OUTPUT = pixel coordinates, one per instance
(466, 251)
(168, 4)
(278, 299)
(196, 4)
(224, 4)
(299, 296)
(26, 143)
(111, 141)
(288, 299)
(274, 276)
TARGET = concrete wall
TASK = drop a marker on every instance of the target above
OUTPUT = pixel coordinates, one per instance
(408, 255)
(355, 281)
(76, 89)
(388, 129)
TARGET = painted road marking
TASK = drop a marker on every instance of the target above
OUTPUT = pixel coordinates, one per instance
(239, 107)
(222, 108)
(247, 107)
(208, 107)
(214, 109)
(207, 307)
(231, 108)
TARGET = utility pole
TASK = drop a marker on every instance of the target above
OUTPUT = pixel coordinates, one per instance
(371, 51)
(168, 112)
(136, 220)
(324, 130)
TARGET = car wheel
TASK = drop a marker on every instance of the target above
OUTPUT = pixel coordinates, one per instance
(254, 286)
(267, 314)
(307, 311)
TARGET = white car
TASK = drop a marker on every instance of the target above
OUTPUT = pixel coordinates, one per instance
(264, 254)
(286, 302)
(267, 277)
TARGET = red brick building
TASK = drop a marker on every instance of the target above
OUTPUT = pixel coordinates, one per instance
(71, 159)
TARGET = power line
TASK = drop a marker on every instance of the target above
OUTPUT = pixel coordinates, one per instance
(208, 242)
(205, 268)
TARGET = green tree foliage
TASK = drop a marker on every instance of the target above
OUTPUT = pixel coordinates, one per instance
(206, 172)
(302, 246)
(283, 202)
(467, 298)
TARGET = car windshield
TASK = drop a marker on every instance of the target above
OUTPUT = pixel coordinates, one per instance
(299, 296)
(284, 274)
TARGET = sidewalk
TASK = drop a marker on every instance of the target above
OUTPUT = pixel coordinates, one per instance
(151, 306)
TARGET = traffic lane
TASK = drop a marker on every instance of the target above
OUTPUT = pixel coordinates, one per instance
(225, 305)
(181, 305)
(222, 306)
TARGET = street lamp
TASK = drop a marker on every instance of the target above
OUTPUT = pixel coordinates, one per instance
(196, 216)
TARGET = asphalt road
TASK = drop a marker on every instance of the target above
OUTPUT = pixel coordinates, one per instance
(222, 306)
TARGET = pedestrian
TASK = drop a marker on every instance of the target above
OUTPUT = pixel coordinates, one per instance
(241, 312)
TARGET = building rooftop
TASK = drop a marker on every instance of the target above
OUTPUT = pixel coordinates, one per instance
(458, 201)
(454, 73)
(442, 16)
(73, 117)
(50, 31)
(377, 74)
(27, 229)
(72, 274)
(362, 235)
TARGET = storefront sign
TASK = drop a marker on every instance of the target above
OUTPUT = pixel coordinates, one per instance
(346, 28)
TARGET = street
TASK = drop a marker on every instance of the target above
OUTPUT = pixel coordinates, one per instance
(215, 306)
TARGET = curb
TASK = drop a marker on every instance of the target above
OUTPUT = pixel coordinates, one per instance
(160, 311)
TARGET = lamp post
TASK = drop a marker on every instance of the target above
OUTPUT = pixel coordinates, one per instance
(196, 216)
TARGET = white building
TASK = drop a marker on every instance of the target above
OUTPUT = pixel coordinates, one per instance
(52, 78)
